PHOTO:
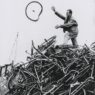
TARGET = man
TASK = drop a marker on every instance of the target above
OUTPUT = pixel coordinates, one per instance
(70, 27)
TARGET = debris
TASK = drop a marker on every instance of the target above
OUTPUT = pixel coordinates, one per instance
(53, 70)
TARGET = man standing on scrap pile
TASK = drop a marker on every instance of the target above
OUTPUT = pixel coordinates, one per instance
(70, 27)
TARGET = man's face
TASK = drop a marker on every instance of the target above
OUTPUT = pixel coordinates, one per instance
(68, 14)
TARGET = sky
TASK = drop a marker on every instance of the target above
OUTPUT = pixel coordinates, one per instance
(13, 20)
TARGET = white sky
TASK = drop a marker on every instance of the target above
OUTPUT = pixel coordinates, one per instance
(13, 20)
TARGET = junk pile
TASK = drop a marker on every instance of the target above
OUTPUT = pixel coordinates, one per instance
(54, 70)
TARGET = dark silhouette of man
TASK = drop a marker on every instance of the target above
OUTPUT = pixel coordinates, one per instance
(70, 27)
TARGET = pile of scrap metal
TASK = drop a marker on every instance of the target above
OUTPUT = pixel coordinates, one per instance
(54, 70)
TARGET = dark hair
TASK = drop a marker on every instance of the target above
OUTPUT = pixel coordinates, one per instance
(70, 11)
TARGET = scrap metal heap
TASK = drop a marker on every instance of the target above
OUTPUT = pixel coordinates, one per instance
(54, 70)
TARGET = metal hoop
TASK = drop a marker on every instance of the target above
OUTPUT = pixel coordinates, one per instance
(39, 13)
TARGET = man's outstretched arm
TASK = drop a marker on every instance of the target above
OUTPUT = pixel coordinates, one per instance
(58, 14)
(72, 23)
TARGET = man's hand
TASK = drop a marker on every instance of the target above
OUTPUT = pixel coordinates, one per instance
(53, 9)
(57, 26)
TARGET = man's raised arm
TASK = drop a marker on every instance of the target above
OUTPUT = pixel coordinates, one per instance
(57, 13)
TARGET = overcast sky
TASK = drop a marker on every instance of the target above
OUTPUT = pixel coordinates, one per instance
(13, 20)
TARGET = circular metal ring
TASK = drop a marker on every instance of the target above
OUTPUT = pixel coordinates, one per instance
(39, 13)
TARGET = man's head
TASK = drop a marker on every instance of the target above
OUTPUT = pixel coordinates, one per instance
(69, 13)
